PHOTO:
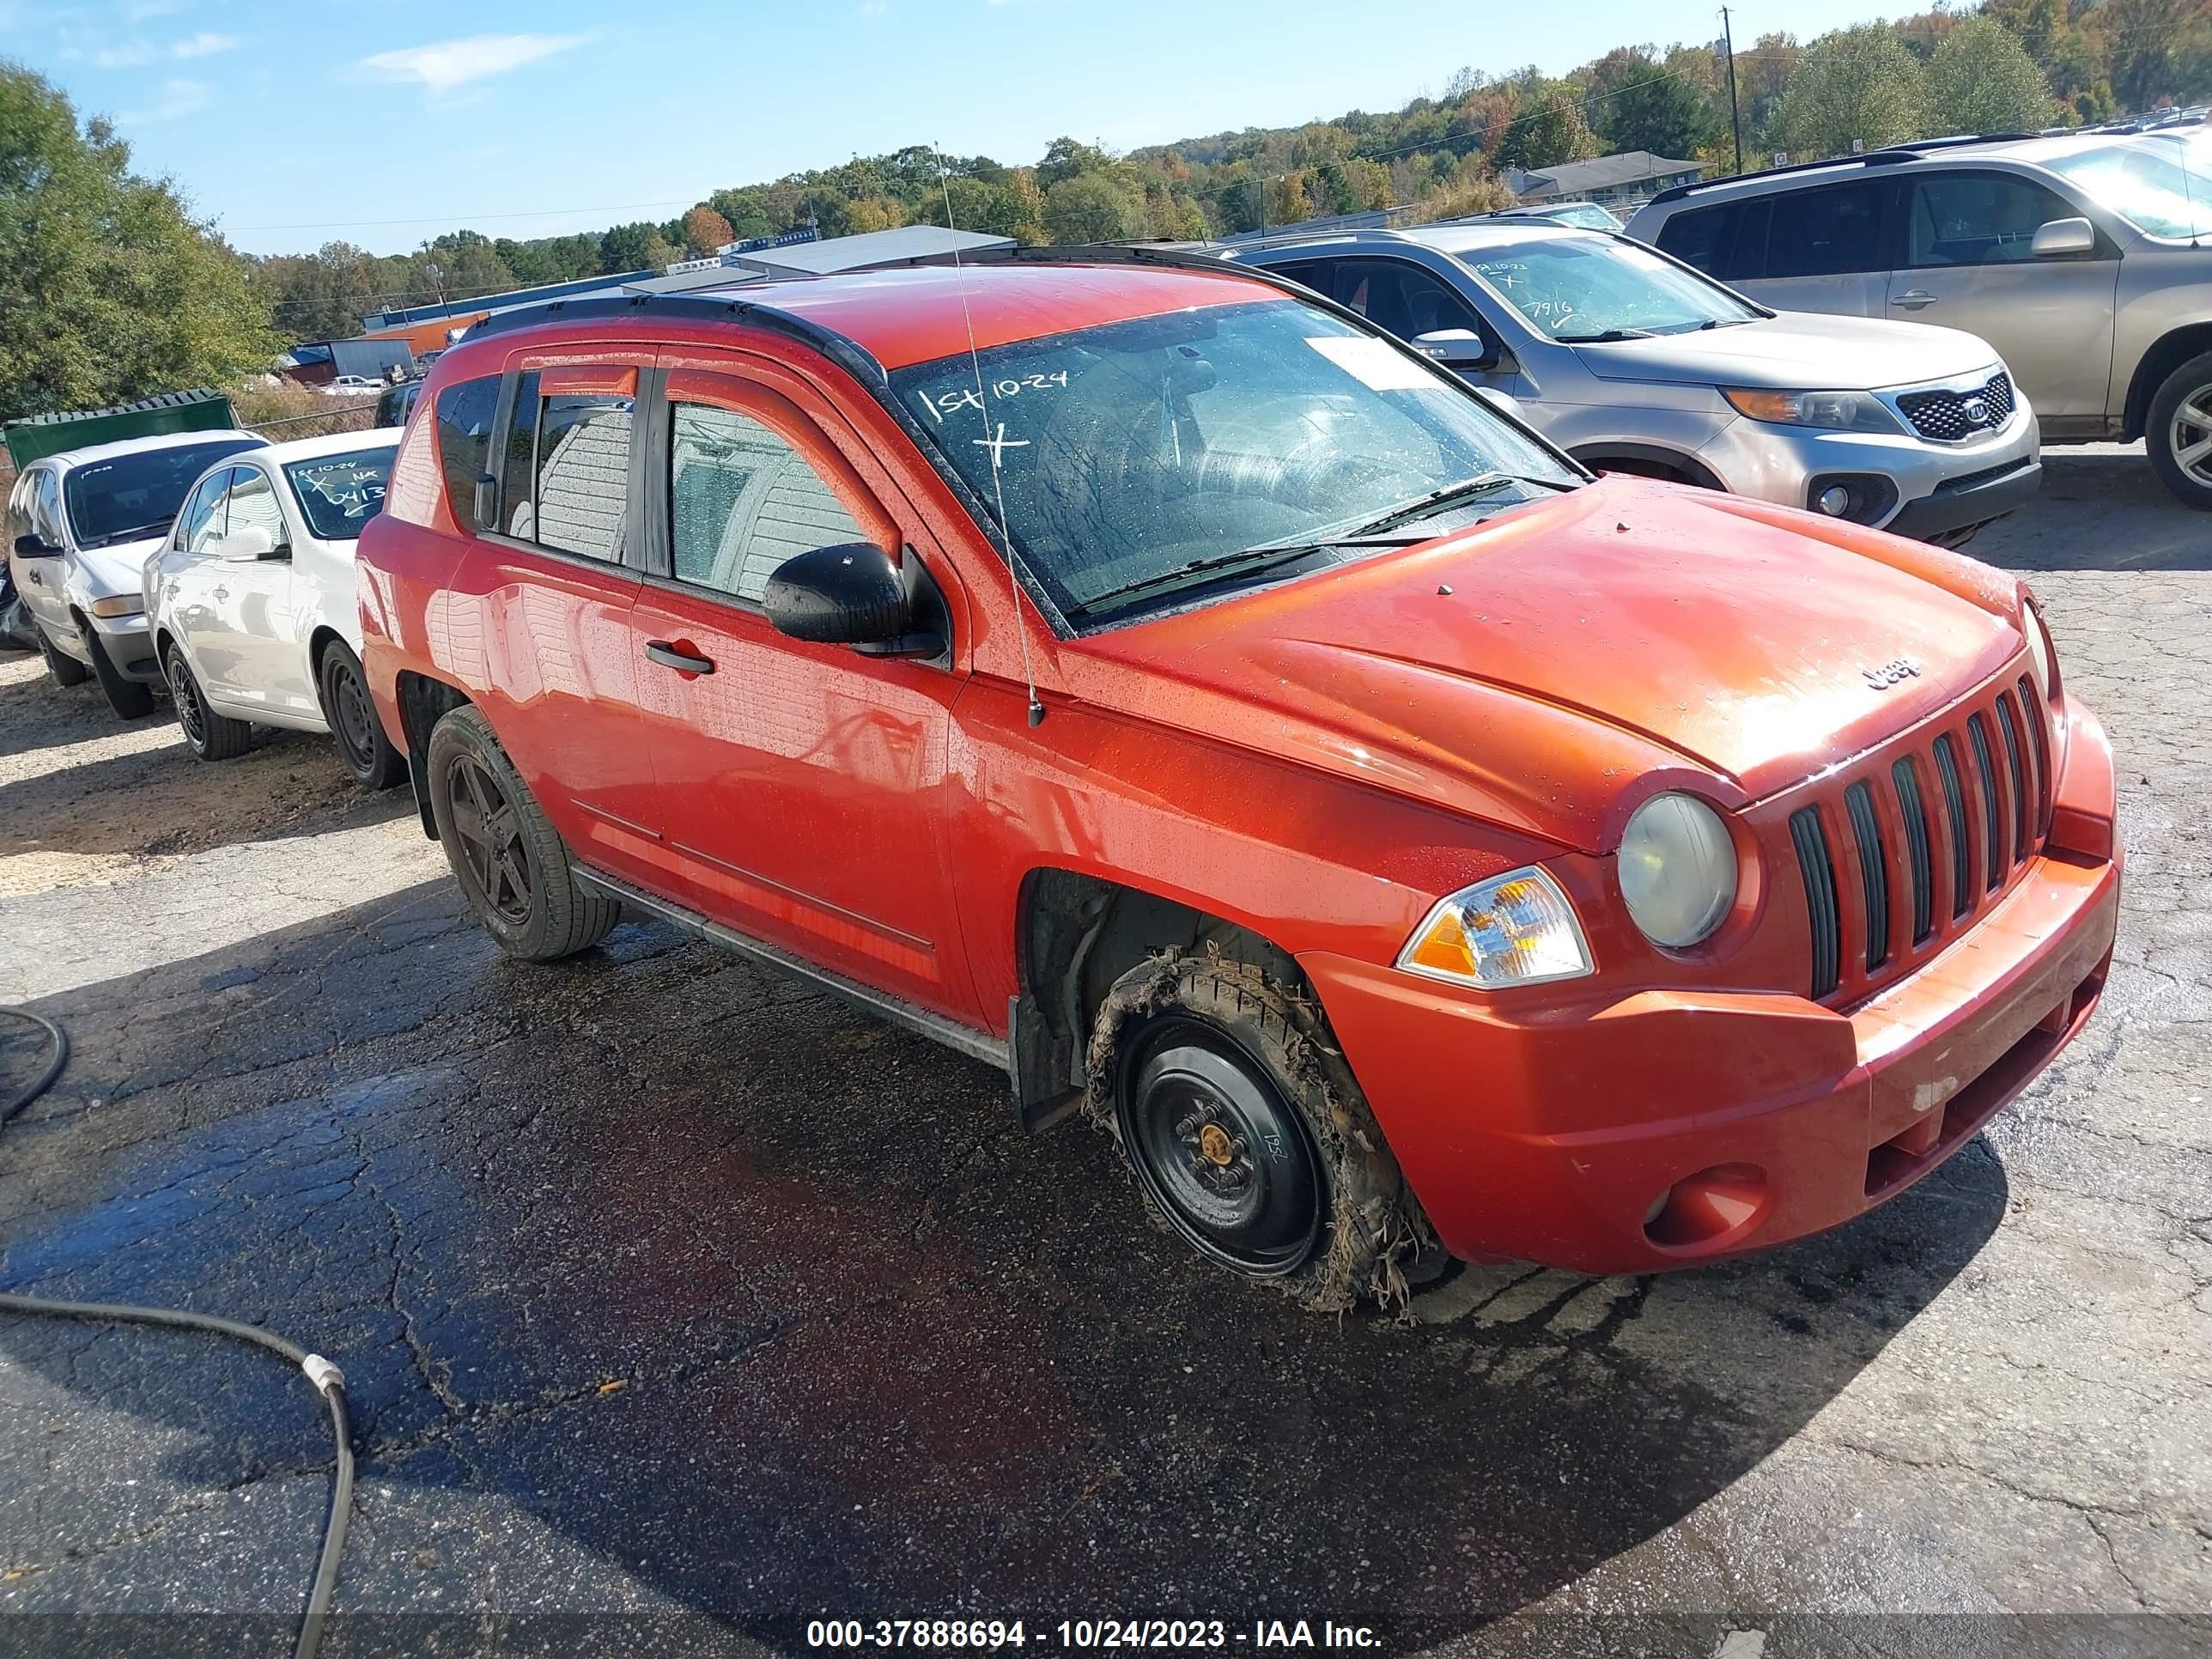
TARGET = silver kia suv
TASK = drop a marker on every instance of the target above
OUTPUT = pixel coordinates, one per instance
(1632, 362)
(2077, 257)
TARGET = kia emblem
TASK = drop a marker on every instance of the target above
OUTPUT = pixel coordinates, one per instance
(1977, 412)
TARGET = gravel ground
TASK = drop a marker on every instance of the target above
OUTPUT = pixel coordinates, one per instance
(681, 1305)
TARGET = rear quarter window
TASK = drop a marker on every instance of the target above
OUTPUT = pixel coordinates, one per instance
(464, 416)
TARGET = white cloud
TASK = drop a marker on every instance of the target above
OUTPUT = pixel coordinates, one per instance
(127, 54)
(178, 99)
(204, 45)
(451, 64)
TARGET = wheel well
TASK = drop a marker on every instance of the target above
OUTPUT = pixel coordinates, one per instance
(1076, 935)
(2160, 360)
(318, 642)
(1650, 461)
(423, 702)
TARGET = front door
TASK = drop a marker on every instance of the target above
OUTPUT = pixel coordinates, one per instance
(806, 786)
(1967, 262)
(40, 581)
(245, 638)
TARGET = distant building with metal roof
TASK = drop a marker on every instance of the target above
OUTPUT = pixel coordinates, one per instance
(1631, 176)
(903, 246)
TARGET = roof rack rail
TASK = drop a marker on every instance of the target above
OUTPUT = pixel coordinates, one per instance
(1872, 158)
(847, 352)
(1952, 141)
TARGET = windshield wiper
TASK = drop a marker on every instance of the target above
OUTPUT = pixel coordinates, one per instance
(1253, 559)
(1444, 499)
(1723, 322)
(115, 536)
(1605, 338)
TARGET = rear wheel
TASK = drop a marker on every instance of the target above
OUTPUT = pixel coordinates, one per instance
(509, 859)
(2180, 432)
(65, 669)
(1248, 1136)
(366, 752)
(131, 700)
(211, 737)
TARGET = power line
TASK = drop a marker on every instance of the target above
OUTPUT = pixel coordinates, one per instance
(449, 218)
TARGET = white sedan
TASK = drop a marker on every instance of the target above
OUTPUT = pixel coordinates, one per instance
(251, 604)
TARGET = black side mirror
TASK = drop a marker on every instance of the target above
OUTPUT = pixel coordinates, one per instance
(30, 547)
(853, 593)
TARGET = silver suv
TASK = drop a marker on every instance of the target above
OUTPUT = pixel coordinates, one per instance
(2075, 256)
(1633, 362)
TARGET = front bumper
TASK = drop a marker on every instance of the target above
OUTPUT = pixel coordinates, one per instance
(1546, 1127)
(129, 643)
(1782, 463)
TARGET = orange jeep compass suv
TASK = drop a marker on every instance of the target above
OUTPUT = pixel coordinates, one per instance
(1147, 678)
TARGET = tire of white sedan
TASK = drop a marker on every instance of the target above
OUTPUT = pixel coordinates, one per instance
(510, 861)
(211, 736)
(65, 669)
(354, 722)
(131, 700)
(2178, 433)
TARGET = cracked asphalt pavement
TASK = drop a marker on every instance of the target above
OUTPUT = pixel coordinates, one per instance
(680, 1304)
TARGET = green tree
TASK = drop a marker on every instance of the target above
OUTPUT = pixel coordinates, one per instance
(1657, 109)
(1066, 159)
(109, 288)
(1980, 80)
(1858, 83)
(2146, 40)
(1093, 207)
(1546, 130)
(632, 247)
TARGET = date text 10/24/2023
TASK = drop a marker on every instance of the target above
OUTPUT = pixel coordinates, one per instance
(1086, 1634)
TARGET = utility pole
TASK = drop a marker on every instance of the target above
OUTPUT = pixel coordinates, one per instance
(1735, 113)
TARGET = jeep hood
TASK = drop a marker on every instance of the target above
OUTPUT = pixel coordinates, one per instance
(1796, 351)
(1528, 669)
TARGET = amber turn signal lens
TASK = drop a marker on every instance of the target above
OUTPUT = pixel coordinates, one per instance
(1514, 929)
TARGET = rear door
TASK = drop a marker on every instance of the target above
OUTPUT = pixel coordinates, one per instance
(543, 600)
(1826, 248)
(808, 786)
(1968, 262)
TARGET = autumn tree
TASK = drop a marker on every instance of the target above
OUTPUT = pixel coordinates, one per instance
(706, 232)
(1547, 131)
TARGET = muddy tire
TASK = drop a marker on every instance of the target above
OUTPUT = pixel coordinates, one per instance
(131, 700)
(210, 736)
(356, 726)
(2178, 433)
(1247, 1135)
(65, 669)
(510, 862)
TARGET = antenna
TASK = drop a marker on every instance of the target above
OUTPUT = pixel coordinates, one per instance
(993, 440)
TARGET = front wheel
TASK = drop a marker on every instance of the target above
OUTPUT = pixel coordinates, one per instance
(1247, 1135)
(2178, 433)
(508, 857)
(366, 752)
(211, 736)
(65, 669)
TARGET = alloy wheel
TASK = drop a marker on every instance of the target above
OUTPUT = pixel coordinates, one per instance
(192, 713)
(490, 832)
(2189, 436)
(1220, 1151)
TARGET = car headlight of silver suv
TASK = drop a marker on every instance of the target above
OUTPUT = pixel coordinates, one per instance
(1677, 867)
(1832, 411)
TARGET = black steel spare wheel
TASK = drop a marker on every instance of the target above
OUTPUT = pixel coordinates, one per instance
(1220, 1151)
(493, 859)
(353, 721)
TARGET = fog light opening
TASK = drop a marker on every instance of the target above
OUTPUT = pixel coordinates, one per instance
(1710, 1209)
(1835, 501)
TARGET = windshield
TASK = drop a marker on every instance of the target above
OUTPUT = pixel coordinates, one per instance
(1577, 288)
(338, 494)
(2160, 185)
(137, 495)
(1131, 450)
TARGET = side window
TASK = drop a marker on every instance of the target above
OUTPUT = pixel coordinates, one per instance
(464, 412)
(1702, 237)
(1314, 273)
(46, 509)
(519, 464)
(1402, 299)
(1827, 232)
(580, 502)
(193, 524)
(252, 505)
(1977, 219)
(742, 500)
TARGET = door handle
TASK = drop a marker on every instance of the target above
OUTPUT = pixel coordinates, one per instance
(1914, 299)
(679, 656)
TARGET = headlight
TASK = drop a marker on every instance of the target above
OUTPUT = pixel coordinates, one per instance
(1837, 411)
(1514, 929)
(1677, 870)
(2040, 658)
(119, 604)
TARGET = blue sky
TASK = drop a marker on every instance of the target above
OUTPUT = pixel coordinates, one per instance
(294, 122)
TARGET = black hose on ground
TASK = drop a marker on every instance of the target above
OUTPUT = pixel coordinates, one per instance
(326, 1379)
